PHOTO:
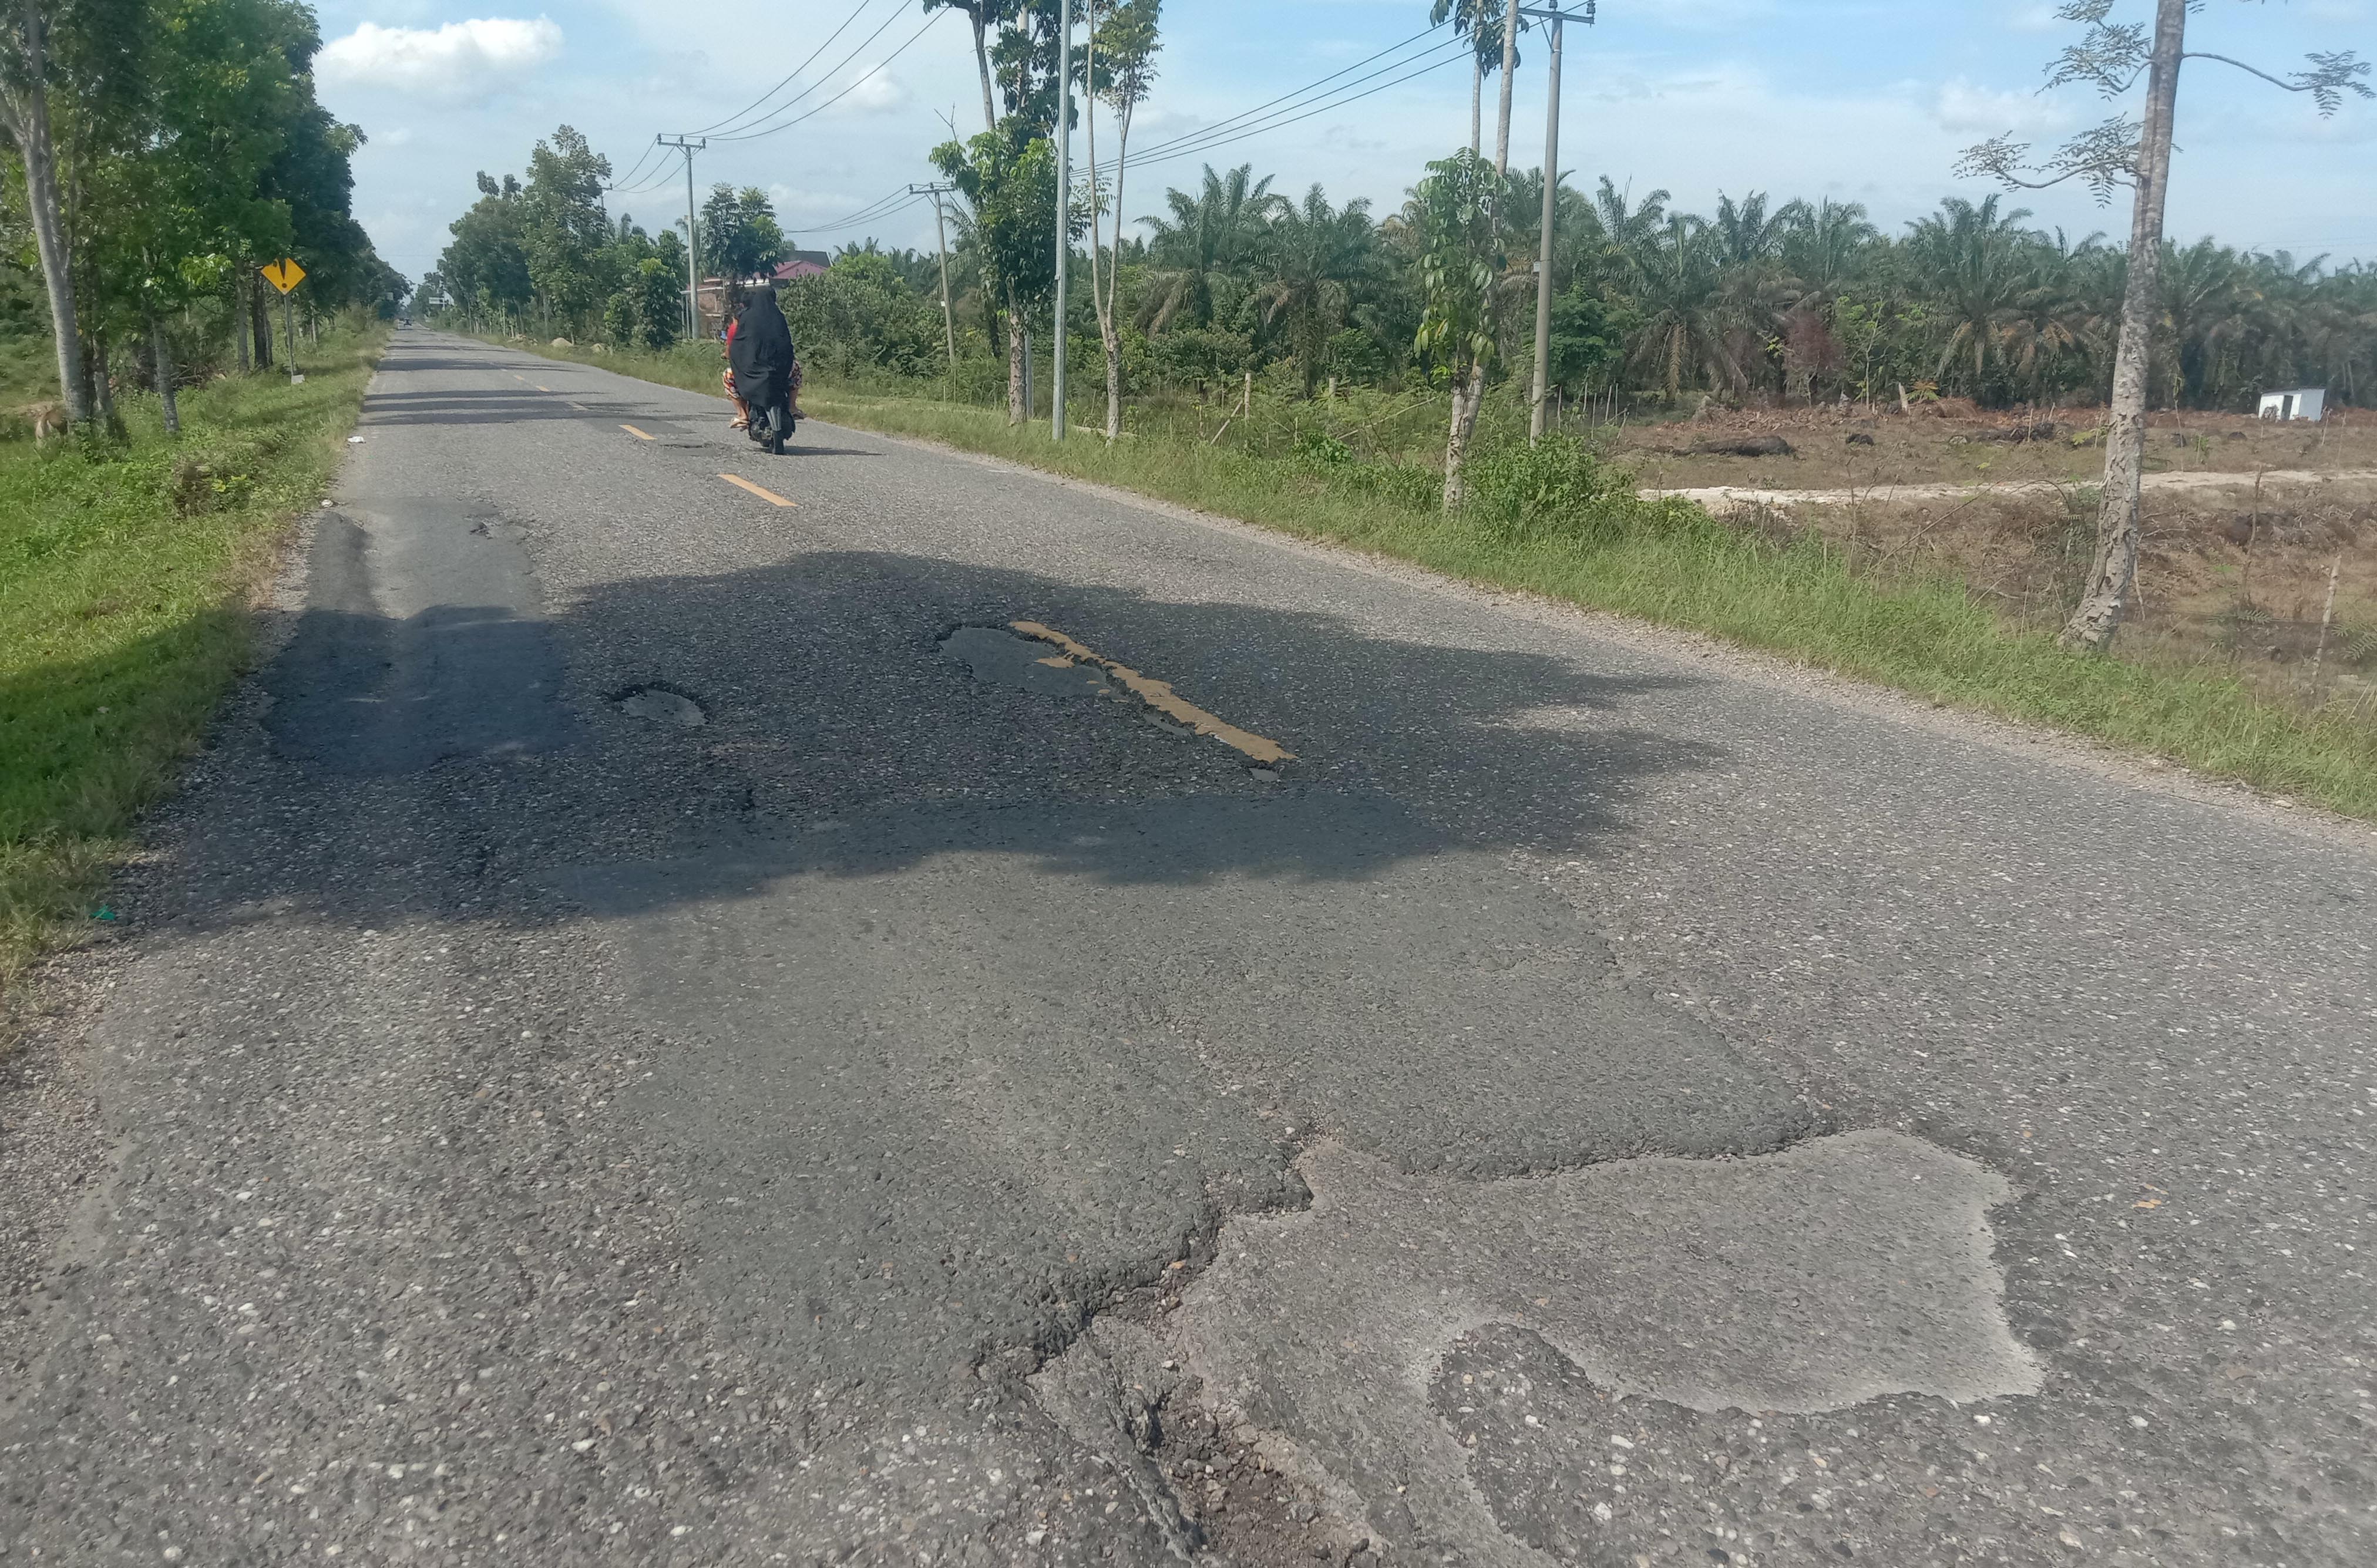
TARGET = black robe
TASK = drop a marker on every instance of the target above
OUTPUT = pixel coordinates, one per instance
(762, 353)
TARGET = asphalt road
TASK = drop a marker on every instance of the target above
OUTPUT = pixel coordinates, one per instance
(666, 1032)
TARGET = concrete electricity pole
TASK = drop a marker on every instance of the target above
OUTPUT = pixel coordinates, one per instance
(942, 228)
(1064, 212)
(689, 146)
(1538, 411)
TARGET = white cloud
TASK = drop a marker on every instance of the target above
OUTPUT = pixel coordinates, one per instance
(2036, 18)
(877, 93)
(461, 62)
(1969, 110)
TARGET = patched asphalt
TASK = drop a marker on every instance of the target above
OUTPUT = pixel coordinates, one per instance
(661, 1032)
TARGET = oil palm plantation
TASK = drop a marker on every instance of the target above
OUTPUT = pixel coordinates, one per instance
(1316, 259)
(1207, 245)
(1679, 290)
(1979, 267)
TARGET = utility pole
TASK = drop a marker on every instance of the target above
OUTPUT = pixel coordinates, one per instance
(689, 146)
(1064, 212)
(1538, 413)
(942, 228)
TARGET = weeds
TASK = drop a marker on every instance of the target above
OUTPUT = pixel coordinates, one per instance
(124, 569)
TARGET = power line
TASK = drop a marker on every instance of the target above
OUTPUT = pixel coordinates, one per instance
(740, 120)
(856, 82)
(869, 221)
(893, 200)
(1305, 92)
(1137, 160)
(618, 182)
(743, 115)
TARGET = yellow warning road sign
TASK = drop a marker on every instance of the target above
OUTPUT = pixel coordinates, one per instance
(284, 274)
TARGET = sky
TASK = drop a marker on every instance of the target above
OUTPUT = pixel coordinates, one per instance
(1864, 100)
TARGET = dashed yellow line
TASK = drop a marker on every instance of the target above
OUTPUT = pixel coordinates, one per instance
(543, 388)
(767, 495)
(638, 434)
(1159, 696)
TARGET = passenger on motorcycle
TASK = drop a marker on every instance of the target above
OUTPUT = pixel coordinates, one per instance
(766, 373)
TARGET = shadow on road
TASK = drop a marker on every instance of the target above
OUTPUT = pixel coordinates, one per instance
(827, 698)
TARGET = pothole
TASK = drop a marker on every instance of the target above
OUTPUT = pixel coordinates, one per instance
(1011, 660)
(659, 704)
(1038, 659)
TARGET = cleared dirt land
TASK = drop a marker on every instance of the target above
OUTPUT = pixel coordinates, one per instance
(2245, 520)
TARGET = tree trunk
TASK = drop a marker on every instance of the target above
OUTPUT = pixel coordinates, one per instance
(1016, 349)
(259, 323)
(239, 327)
(103, 391)
(27, 110)
(2115, 571)
(982, 61)
(1467, 394)
(1502, 114)
(1476, 103)
(162, 348)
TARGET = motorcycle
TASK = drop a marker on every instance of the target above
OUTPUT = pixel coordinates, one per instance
(770, 425)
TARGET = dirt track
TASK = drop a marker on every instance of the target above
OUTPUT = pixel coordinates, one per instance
(1726, 497)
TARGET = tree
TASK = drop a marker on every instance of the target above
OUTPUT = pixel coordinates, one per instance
(485, 267)
(563, 227)
(1679, 291)
(25, 115)
(1480, 23)
(1977, 264)
(1317, 255)
(2113, 58)
(1010, 189)
(983, 14)
(1211, 237)
(740, 237)
(1119, 69)
(1453, 211)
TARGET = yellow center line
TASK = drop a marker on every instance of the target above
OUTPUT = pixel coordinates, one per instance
(767, 495)
(1159, 696)
(638, 434)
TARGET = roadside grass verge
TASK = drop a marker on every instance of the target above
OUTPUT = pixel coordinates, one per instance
(1559, 522)
(127, 571)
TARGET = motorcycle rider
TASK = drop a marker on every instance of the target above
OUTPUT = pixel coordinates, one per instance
(759, 348)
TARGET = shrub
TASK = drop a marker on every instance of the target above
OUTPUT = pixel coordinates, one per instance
(1559, 489)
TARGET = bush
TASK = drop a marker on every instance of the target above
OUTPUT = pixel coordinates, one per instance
(1560, 489)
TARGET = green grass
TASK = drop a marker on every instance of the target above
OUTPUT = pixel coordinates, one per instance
(1568, 528)
(127, 571)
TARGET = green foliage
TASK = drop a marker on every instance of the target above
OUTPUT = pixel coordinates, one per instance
(1010, 189)
(563, 230)
(1559, 489)
(124, 568)
(1459, 260)
(862, 313)
(740, 237)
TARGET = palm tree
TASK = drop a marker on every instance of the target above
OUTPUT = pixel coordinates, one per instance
(1824, 248)
(1316, 259)
(1680, 288)
(1211, 238)
(1479, 21)
(2200, 298)
(1633, 230)
(1979, 266)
